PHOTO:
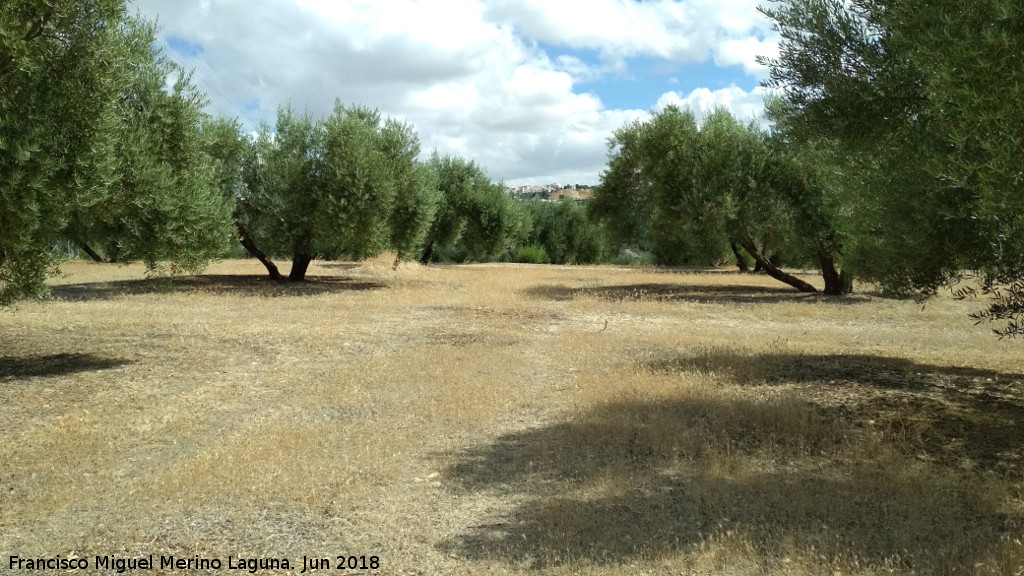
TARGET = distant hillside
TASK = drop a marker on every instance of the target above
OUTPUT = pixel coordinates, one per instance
(553, 195)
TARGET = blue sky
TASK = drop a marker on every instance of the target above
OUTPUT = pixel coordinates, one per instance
(647, 79)
(530, 89)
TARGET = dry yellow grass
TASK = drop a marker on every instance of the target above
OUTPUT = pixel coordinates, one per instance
(509, 419)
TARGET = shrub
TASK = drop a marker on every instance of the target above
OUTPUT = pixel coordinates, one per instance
(532, 254)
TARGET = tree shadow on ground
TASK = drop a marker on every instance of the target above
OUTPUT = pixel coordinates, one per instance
(219, 284)
(960, 416)
(702, 293)
(639, 480)
(636, 439)
(19, 368)
(880, 371)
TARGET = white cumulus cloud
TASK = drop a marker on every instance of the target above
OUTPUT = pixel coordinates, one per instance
(744, 105)
(473, 76)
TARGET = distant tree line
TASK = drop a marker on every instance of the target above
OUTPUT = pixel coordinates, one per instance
(103, 142)
(895, 156)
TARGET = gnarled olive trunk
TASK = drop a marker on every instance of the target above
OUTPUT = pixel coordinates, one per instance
(773, 271)
(251, 248)
(300, 263)
(302, 255)
(836, 283)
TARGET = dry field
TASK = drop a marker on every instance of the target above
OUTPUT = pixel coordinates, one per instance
(508, 419)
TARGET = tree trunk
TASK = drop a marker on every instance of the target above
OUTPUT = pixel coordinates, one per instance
(428, 253)
(251, 247)
(834, 282)
(741, 263)
(769, 242)
(92, 253)
(774, 272)
(300, 263)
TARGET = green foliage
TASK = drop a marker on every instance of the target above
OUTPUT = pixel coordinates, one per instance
(163, 205)
(475, 220)
(532, 254)
(224, 142)
(58, 71)
(95, 147)
(346, 184)
(700, 192)
(416, 190)
(623, 201)
(679, 181)
(669, 182)
(279, 202)
(837, 66)
(922, 110)
(566, 233)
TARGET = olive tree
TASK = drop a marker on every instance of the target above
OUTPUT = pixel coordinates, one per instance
(163, 204)
(475, 216)
(704, 189)
(94, 146)
(923, 106)
(347, 184)
(58, 70)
